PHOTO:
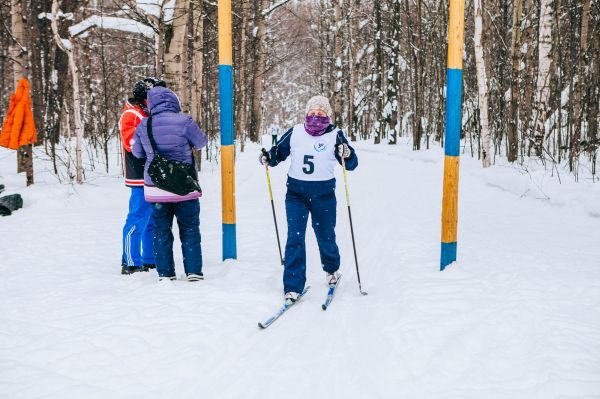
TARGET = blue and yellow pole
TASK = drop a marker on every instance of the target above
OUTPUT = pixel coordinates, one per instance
(227, 147)
(453, 126)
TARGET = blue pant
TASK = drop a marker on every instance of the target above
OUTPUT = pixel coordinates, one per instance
(318, 198)
(188, 220)
(137, 233)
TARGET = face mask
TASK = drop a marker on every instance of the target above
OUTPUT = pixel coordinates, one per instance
(316, 125)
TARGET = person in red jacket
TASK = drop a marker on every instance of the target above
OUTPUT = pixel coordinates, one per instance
(138, 252)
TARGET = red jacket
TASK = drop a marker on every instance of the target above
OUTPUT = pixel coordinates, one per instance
(133, 167)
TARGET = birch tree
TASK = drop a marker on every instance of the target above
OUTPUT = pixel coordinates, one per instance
(353, 68)
(198, 58)
(393, 96)
(379, 89)
(175, 51)
(581, 79)
(258, 47)
(68, 47)
(18, 53)
(513, 133)
(543, 76)
(337, 89)
(481, 84)
(242, 121)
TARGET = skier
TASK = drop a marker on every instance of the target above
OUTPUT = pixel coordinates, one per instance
(315, 146)
(274, 131)
(138, 254)
(175, 135)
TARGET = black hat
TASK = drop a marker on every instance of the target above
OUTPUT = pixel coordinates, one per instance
(140, 91)
(154, 82)
(140, 88)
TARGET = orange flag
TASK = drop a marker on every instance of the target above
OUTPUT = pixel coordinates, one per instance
(19, 127)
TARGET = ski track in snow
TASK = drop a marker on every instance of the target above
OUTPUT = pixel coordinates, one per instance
(517, 317)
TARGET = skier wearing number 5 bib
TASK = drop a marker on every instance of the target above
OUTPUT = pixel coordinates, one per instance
(315, 146)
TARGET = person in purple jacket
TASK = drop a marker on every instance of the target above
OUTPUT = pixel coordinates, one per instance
(176, 134)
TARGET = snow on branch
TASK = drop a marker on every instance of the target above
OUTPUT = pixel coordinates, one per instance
(115, 23)
(274, 7)
(157, 8)
(60, 14)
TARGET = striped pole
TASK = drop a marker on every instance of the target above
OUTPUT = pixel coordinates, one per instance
(227, 147)
(453, 126)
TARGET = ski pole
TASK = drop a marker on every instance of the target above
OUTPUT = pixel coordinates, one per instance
(351, 228)
(273, 208)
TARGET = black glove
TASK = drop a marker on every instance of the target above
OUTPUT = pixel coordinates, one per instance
(265, 157)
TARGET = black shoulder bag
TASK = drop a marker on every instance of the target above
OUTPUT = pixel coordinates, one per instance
(172, 176)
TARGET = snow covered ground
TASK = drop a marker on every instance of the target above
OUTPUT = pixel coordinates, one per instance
(517, 317)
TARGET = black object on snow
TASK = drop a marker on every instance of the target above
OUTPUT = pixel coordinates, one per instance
(10, 203)
(1, 187)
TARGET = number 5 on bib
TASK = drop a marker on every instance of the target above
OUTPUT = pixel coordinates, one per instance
(309, 167)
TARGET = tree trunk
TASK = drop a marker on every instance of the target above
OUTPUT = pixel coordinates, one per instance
(581, 81)
(393, 78)
(159, 44)
(513, 133)
(337, 90)
(526, 111)
(559, 80)
(175, 60)
(18, 53)
(198, 59)
(241, 121)
(543, 77)
(354, 27)
(592, 116)
(197, 21)
(259, 71)
(418, 58)
(69, 49)
(379, 126)
(17, 49)
(68, 141)
(481, 84)
(415, 49)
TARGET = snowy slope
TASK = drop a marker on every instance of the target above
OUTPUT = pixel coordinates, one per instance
(517, 317)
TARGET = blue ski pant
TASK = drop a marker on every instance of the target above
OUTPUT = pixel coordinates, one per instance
(318, 199)
(137, 232)
(188, 221)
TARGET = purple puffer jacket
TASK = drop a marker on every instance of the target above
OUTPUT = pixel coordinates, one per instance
(175, 135)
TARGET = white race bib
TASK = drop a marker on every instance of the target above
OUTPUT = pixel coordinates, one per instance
(313, 157)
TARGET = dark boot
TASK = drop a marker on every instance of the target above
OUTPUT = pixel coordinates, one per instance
(132, 269)
(194, 276)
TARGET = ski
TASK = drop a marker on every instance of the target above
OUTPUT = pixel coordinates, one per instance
(282, 310)
(331, 293)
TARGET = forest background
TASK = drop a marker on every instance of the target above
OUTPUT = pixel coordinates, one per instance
(531, 72)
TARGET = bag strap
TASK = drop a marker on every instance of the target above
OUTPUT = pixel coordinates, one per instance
(151, 136)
